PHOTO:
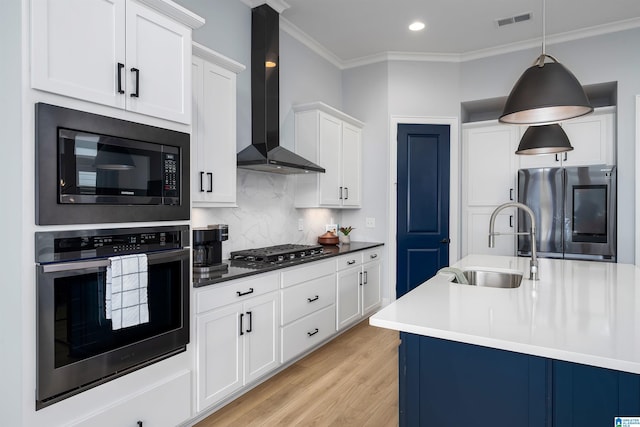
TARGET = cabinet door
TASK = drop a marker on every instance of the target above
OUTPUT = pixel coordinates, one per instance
(477, 232)
(160, 49)
(592, 138)
(371, 286)
(220, 354)
(330, 130)
(488, 156)
(348, 296)
(214, 135)
(76, 46)
(351, 165)
(261, 335)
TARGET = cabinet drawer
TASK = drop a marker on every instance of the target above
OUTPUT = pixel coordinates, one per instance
(308, 332)
(294, 276)
(236, 291)
(307, 297)
(163, 404)
(370, 255)
(349, 260)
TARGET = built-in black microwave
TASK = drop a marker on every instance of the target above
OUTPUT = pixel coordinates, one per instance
(93, 169)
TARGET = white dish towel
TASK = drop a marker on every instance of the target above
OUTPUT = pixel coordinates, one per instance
(126, 301)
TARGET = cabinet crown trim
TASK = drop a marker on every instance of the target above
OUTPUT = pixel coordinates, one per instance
(175, 11)
(212, 56)
(321, 106)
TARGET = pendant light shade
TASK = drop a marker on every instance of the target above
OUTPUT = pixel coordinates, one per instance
(544, 139)
(545, 93)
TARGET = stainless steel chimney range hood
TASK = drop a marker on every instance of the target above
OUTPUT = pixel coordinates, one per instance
(265, 153)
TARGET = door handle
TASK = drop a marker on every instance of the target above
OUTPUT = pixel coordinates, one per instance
(447, 240)
(346, 190)
(313, 299)
(565, 156)
(511, 221)
(366, 278)
(136, 94)
(340, 193)
(250, 314)
(511, 194)
(120, 67)
(210, 175)
(241, 324)
(241, 294)
(201, 186)
(360, 278)
(315, 331)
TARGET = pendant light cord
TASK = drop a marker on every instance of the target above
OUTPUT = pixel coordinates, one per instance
(544, 28)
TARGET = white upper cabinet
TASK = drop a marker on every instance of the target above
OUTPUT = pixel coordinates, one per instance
(214, 128)
(593, 138)
(489, 163)
(332, 140)
(126, 54)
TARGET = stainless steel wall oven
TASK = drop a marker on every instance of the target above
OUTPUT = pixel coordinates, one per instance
(92, 168)
(78, 346)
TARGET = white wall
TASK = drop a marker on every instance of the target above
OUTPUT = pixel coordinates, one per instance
(611, 57)
(11, 214)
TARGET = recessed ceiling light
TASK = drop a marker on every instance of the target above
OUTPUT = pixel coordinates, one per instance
(417, 26)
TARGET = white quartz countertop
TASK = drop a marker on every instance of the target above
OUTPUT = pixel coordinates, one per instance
(579, 311)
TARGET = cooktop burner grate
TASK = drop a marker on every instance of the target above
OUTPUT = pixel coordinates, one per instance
(277, 253)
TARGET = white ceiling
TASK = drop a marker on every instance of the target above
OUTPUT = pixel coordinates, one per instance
(349, 32)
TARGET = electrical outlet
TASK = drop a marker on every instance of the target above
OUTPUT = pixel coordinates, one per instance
(300, 224)
(370, 222)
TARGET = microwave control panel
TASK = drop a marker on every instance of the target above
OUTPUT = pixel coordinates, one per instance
(171, 171)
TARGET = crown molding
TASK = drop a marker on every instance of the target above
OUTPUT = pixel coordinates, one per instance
(277, 5)
(310, 42)
(319, 49)
(210, 55)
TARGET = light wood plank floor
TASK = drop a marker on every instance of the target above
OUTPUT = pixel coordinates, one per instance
(351, 381)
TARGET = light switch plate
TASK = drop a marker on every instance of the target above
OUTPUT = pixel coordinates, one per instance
(370, 222)
(300, 224)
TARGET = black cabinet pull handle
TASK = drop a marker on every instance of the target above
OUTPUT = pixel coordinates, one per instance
(340, 193)
(136, 94)
(446, 240)
(353, 261)
(511, 221)
(511, 194)
(241, 324)
(346, 190)
(313, 333)
(360, 278)
(210, 175)
(557, 160)
(139, 423)
(313, 299)
(201, 186)
(565, 156)
(366, 277)
(240, 294)
(250, 314)
(373, 256)
(120, 67)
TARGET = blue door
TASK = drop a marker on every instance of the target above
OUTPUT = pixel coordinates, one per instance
(422, 204)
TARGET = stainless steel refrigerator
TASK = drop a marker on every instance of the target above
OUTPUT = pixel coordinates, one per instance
(575, 212)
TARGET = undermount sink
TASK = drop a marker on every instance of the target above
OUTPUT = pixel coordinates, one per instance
(492, 279)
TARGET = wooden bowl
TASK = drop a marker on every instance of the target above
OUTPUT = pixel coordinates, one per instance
(328, 238)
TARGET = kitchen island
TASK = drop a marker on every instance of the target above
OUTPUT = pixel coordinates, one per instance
(564, 350)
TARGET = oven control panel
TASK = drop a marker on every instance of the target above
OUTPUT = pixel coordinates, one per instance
(85, 244)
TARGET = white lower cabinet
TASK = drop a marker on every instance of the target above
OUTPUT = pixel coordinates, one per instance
(358, 286)
(167, 403)
(308, 307)
(239, 342)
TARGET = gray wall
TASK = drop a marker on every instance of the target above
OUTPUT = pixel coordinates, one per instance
(11, 214)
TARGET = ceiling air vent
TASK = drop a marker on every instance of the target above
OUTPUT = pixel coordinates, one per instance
(513, 19)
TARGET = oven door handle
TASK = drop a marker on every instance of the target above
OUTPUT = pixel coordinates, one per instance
(104, 262)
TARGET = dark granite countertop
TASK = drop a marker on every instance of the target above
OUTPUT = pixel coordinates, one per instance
(239, 269)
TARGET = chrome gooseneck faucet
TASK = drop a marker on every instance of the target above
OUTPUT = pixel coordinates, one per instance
(533, 265)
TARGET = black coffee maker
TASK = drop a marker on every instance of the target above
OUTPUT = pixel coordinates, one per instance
(207, 250)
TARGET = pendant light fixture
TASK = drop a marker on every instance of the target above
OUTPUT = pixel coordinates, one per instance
(547, 92)
(544, 139)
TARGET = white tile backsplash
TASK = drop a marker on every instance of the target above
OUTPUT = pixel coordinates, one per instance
(265, 215)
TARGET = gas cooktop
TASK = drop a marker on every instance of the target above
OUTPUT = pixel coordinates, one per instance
(277, 254)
